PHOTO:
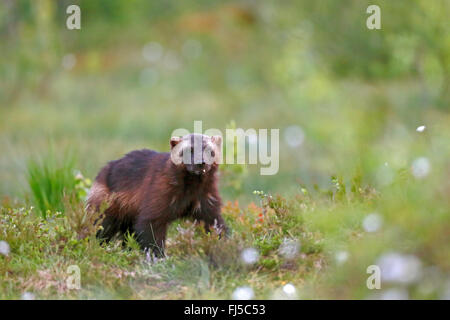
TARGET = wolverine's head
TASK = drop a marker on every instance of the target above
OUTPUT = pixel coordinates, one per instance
(197, 153)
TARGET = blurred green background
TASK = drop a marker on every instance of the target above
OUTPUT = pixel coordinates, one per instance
(364, 136)
(346, 99)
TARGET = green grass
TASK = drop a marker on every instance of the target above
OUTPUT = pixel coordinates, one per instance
(322, 223)
(49, 180)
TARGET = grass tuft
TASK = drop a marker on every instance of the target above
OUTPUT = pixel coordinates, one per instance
(49, 180)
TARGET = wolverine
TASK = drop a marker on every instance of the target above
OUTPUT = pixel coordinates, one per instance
(147, 190)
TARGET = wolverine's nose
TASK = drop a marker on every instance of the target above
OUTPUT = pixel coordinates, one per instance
(201, 167)
(197, 169)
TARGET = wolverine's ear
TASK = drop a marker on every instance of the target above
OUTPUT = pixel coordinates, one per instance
(174, 141)
(217, 140)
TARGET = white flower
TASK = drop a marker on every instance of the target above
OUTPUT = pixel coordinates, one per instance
(250, 255)
(290, 290)
(446, 291)
(287, 292)
(420, 167)
(421, 129)
(294, 136)
(4, 248)
(243, 293)
(372, 222)
(341, 257)
(28, 296)
(394, 294)
(399, 268)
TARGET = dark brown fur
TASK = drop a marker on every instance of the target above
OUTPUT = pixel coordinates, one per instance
(145, 191)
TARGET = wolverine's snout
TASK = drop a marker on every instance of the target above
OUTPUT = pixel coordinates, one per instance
(197, 169)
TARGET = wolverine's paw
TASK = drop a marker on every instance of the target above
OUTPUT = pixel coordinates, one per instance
(221, 229)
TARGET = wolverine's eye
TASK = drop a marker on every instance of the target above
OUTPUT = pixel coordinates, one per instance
(213, 154)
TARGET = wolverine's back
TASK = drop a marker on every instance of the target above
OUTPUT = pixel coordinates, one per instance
(121, 179)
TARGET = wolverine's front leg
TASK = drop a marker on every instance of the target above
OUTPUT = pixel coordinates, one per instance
(210, 215)
(110, 227)
(216, 222)
(151, 235)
